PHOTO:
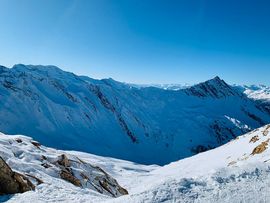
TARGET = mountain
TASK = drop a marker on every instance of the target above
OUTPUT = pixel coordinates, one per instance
(109, 118)
(257, 92)
(237, 171)
(162, 86)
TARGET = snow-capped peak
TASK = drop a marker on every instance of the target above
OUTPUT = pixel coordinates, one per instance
(216, 88)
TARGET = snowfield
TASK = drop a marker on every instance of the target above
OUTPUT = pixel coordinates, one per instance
(238, 171)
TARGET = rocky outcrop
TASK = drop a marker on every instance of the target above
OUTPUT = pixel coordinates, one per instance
(85, 175)
(67, 167)
(69, 176)
(260, 148)
(12, 182)
(254, 139)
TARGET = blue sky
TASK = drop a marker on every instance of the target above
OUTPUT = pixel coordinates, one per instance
(142, 41)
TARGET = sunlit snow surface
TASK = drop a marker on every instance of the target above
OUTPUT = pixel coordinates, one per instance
(225, 174)
(257, 92)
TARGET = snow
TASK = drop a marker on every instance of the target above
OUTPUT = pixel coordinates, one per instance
(24, 157)
(257, 92)
(226, 174)
(107, 118)
(174, 87)
(230, 173)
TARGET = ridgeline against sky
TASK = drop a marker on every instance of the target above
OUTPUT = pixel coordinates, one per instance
(141, 41)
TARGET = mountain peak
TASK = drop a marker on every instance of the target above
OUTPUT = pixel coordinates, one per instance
(42, 71)
(216, 78)
(42, 68)
(216, 88)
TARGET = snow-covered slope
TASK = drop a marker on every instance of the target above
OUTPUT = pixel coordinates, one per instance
(257, 92)
(109, 118)
(235, 172)
(56, 174)
(44, 166)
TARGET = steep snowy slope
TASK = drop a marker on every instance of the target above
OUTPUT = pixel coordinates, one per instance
(109, 118)
(235, 172)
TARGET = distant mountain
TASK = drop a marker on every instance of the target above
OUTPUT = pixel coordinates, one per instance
(109, 118)
(162, 86)
(257, 92)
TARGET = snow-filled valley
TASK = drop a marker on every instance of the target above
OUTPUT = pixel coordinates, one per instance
(235, 172)
(109, 118)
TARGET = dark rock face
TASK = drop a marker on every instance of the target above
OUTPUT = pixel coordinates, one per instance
(12, 182)
(69, 176)
(215, 88)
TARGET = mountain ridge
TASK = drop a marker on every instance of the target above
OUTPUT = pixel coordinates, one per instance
(106, 117)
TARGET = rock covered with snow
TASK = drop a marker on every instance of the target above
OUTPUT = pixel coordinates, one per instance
(12, 182)
(42, 166)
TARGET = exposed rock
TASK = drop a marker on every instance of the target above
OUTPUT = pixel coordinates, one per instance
(88, 176)
(18, 140)
(266, 131)
(12, 182)
(45, 165)
(68, 176)
(63, 161)
(66, 172)
(43, 157)
(260, 148)
(36, 144)
(111, 186)
(254, 139)
(104, 182)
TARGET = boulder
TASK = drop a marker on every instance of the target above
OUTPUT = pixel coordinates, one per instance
(12, 182)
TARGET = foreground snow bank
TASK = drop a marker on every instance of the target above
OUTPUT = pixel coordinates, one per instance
(238, 171)
(235, 172)
(55, 170)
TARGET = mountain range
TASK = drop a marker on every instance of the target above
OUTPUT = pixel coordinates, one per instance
(148, 125)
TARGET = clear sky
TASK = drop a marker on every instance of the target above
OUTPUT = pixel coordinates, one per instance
(141, 41)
